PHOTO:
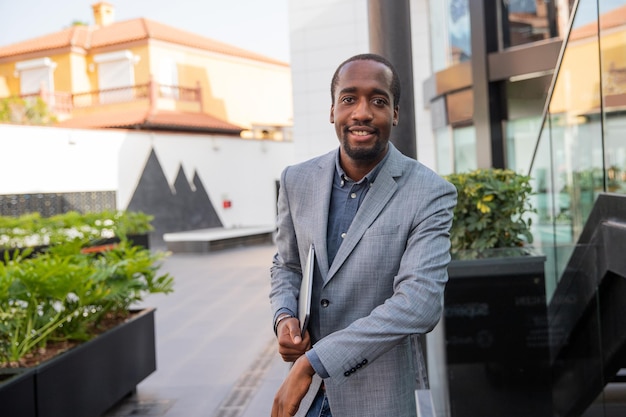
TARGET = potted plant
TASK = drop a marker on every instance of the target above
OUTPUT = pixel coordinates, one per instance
(491, 213)
(494, 304)
(69, 336)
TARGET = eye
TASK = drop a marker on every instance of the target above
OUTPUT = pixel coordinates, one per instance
(347, 99)
(380, 102)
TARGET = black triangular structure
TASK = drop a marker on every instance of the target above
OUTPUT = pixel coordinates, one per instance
(173, 212)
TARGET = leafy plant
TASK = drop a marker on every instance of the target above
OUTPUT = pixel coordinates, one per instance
(31, 229)
(65, 292)
(126, 223)
(491, 212)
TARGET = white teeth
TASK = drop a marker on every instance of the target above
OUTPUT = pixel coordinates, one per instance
(360, 132)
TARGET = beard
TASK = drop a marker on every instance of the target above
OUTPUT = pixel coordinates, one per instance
(363, 153)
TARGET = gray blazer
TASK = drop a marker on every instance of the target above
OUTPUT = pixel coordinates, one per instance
(385, 283)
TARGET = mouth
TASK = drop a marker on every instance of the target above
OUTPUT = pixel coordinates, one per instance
(361, 131)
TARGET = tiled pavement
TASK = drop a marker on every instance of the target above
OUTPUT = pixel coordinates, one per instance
(216, 355)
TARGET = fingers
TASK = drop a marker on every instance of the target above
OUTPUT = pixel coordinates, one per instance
(290, 351)
(291, 345)
(290, 327)
(294, 331)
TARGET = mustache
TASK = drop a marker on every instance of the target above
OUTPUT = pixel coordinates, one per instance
(354, 126)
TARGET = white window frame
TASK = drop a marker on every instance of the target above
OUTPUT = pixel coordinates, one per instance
(34, 73)
(121, 63)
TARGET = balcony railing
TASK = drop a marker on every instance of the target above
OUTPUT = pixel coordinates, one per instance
(61, 103)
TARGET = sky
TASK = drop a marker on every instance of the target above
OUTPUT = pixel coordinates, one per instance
(259, 26)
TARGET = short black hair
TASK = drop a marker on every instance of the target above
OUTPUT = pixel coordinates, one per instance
(395, 80)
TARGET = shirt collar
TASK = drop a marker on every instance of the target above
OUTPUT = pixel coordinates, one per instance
(369, 177)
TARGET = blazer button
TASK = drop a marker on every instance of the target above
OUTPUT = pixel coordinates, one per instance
(346, 374)
(325, 303)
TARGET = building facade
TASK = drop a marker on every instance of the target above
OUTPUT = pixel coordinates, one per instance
(143, 74)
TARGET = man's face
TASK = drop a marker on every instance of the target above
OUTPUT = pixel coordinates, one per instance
(363, 111)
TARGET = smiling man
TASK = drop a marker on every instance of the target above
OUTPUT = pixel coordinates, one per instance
(380, 224)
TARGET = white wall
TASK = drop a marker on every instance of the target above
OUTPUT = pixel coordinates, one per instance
(323, 33)
(48, 160)
(55, 160)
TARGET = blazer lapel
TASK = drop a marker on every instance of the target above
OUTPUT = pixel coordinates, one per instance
(322, 187)
(375, 201)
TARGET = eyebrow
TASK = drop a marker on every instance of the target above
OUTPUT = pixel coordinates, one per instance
(376, 91)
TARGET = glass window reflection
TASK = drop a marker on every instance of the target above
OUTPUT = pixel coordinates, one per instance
(450, 33)
(525, 21)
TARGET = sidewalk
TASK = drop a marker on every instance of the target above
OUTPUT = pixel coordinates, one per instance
(216, 354)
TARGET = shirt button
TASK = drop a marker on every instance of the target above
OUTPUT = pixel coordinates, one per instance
(353, 195)
(325, 303)
(343, 235)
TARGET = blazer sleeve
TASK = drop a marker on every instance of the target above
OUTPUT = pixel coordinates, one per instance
(286, 270)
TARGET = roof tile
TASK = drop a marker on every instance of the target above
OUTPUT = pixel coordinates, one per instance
(89, 37)
(161, 119)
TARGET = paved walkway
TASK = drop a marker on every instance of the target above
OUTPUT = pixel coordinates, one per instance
(216, 355)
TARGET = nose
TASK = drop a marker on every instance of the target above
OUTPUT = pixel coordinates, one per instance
(362, 111)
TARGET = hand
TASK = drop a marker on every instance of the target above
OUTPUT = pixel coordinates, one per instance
(291, 345)
(294, 388)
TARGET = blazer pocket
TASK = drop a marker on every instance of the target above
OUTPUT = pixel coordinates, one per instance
(381, 230)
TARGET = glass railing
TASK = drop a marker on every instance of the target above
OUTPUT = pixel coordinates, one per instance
(581, 149)
(580, 153)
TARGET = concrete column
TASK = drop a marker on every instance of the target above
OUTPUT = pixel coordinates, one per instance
(390, 36)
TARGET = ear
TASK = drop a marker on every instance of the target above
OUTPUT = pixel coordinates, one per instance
(396, 114)
(332, 113)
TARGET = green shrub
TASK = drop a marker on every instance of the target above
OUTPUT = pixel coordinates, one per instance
(491, 212)
(31, 229)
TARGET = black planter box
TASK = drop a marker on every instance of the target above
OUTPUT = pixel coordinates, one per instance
(92, 377)
(17, 393)
(497, 346)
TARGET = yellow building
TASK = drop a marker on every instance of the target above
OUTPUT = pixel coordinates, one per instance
(609, 85)
(143, 74)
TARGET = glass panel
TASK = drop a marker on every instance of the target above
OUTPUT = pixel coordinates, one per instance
(575, 139)
(459, 30)
(525, 21)
(613, 61)
(525, 104)
(464, 139)
(520, 134)
(450, 33)
(445, 164)
(438, 36)
(581, 152)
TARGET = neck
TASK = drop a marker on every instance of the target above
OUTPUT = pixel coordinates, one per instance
(357, 169)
